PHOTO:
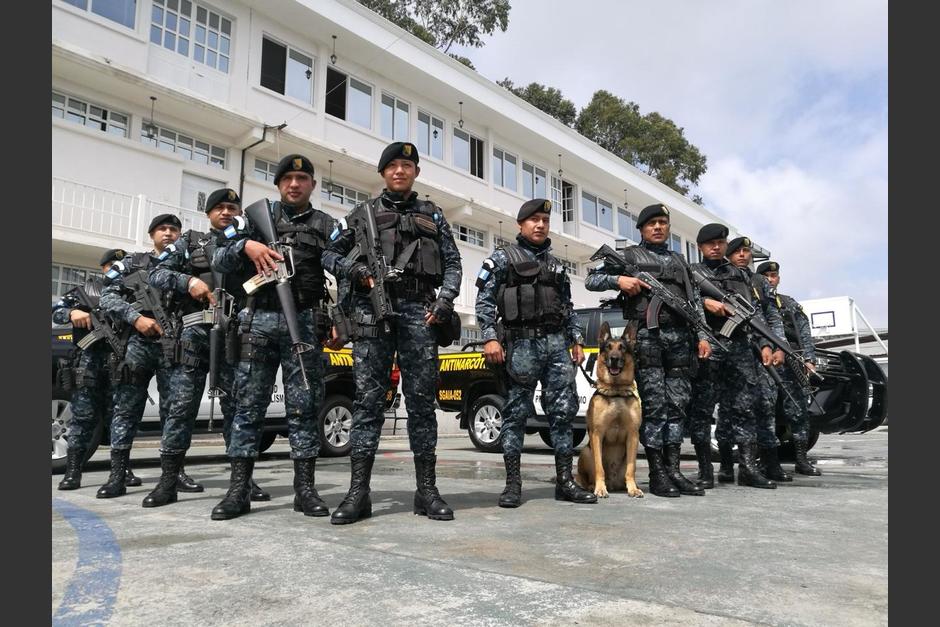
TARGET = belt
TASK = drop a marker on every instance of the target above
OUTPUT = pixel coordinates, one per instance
(528, 333)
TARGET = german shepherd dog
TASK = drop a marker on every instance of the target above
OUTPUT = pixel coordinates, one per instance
(613, 419)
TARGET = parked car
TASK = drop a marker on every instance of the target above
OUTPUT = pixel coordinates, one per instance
(335, 417)
(852, 396)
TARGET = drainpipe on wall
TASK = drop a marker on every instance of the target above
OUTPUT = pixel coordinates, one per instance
(241, 176)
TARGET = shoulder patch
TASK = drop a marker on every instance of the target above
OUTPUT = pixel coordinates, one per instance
(486, 271)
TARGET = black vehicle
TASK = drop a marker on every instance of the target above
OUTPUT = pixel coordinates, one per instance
(335, 417)
(851, 397)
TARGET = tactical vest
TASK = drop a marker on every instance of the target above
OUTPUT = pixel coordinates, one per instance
(788, 313)
(728, 278)
(532, 293)
(672, 273)
(199, 254)
(308, 239)
(410, 240)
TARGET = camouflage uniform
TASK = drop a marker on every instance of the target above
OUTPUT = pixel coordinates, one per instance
(405, 223)
(529, 360)
(796, 326)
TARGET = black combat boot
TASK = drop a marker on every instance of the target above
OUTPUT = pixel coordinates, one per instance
(770, 465)
(130, 479)
(115, 484)
(257, 494)
(726, 467)
(357, 504)
(306, 498)
(428, 500)
(706, 472)
(237, 500)
(748, 472)
(73, 469)
(660, 485)
(512, 493)
(185, 483)
(165, 492)
(565, 487)
(803, 465)
(671, 453)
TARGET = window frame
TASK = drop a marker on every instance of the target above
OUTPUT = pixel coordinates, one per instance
(470, 156)
(535, 170)
(59, 267)
(269, 170)
(288, 49)
(210, 152)
(331, 185)
(347, 84)
(502, 169)
(192, 37)
(633, 231)
(396, 101)
(87, 115)
(463, 233)
(431, 126)
(88, 11)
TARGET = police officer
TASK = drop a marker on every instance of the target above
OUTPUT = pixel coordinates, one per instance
(90, 379)
(797, 328)
(732, 378)
(740, 255)
(417, 241)
(526, 289)
(665, 355)
(185, 272)
(143, 356)
(266, 342)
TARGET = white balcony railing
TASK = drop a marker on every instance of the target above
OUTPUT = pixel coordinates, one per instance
(110, 216)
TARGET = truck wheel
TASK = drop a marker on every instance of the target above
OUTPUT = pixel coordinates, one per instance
(61, 415)
(577, 436)
(486, 423)
(267, 439)
(335, 424)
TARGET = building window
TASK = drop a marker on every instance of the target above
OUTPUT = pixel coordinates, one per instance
(341, 194)
(286, 71)
(626, 225)
(605, 214)
(348, 99)
(265, 170)
(570, 266)
(208, 41)
(692, 252)
(467, 335)
(193, 149)
(563, 198)
(533, 181)
(469, 235)
(504, 169)
(430, 138)
(597, 211)
(90, 115)
(123, 12)
(65, 278)
(675, 244)
(395, 118)
(468, 153)
(499, 242)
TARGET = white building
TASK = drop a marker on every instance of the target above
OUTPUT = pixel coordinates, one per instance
(225, 74)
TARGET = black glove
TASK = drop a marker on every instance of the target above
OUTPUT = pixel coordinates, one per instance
(358, 272)
(442, 309)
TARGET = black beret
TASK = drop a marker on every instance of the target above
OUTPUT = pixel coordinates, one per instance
(164, 218)
(293, 163)
(222, 195)
(532, 206)
(650, 212)
(115, 254)
(768, 266)
(711, 231)
(737, 243)
(398, 150)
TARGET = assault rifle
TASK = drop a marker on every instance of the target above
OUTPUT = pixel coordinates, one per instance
(150, 299)
(100, 324)
(259, 214)
(368, 244)
(218, 317)
(742, 312)
(660, 294)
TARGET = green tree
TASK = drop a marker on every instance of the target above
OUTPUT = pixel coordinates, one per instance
(445, 23)
(548, 99)
(650, 142)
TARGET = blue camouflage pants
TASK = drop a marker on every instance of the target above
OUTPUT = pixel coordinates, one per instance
(270, 347)
(546, 360)
(91, 399)
(706, 392)
(746, 406)
(663, 378)
(186, 384)
(796, 414)
(227, 402)
(142, 359)
(414, 340)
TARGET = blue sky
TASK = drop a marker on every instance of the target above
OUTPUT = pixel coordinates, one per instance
(788, 100)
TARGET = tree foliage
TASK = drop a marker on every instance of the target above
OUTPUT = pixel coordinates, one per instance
(548, 99)
(445, 23)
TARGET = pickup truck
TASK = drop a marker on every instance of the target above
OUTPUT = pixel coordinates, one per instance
(335, 418)
(852, 396)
